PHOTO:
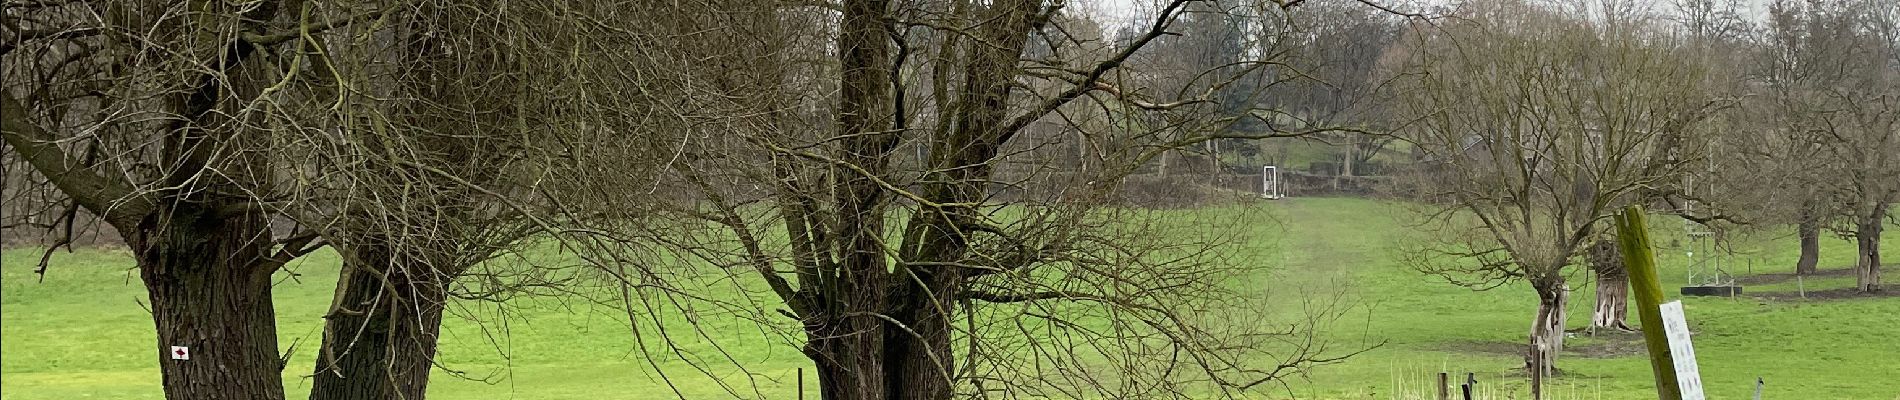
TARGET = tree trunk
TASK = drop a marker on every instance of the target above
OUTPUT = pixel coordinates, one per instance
(1345, 167)
(846, 352)
(865, 358)
(1810, 232)
(1162, 169)
(1350, 158)
(1547, 330)
(1867, 240)
(1213, 160)
(1613, 285)
(1612, 303)
(1081, 152)
(205, 249)
(920, 352)
(845, 326)
(379, 338)
(879, 334)
(210, 285)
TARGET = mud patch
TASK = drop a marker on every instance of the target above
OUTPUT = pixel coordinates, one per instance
(1484, 347)
(1824, 295)
(1763, 279)
(1607, 344)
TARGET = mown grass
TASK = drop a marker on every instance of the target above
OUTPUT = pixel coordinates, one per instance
(83, 332)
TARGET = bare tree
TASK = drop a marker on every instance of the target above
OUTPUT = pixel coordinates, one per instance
(1832, 73)
(148, 115)
(1534, 126)
(422, 139)
(1341, 44)
(414, 149)
(1760, 165)
(919, 277)
(405, 143)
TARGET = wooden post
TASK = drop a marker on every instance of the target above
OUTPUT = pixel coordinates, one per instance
(801, 384)
(1444, 386)
(1632, 234)
(1471, 383)
(1537, 382)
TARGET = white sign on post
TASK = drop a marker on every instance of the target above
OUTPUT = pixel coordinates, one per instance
(181, 353)
(1677, 329)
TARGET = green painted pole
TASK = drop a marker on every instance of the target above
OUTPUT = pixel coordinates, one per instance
(1632, 234)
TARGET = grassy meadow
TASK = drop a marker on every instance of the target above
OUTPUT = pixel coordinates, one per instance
(83, 332)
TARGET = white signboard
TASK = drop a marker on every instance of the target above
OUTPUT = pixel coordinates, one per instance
(181, 353)
(1677, 328)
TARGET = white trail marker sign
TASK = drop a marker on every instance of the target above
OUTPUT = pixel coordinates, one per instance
(1677, 328)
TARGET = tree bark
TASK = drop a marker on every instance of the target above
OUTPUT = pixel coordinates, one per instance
(1867, 240)
(919, 352)
(879, 334)
(1162, 168)
(379, 338)
(1345, 168)
(1810, 232)
(205, 256)
(919, 349)
(1213, 158)
(1613, 285)
(202, 243)
(845, 332)
(847, 354)
(1612, 303)
(209, 279)
(1547, 330)
(1350, 157)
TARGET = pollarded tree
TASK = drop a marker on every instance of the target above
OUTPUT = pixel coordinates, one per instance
(1534, 127)
(1606, 262)
(416, 146)
(149, 115)
(925, 279)
(396, 141)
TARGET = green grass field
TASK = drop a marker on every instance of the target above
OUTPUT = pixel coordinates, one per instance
(83, 332)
